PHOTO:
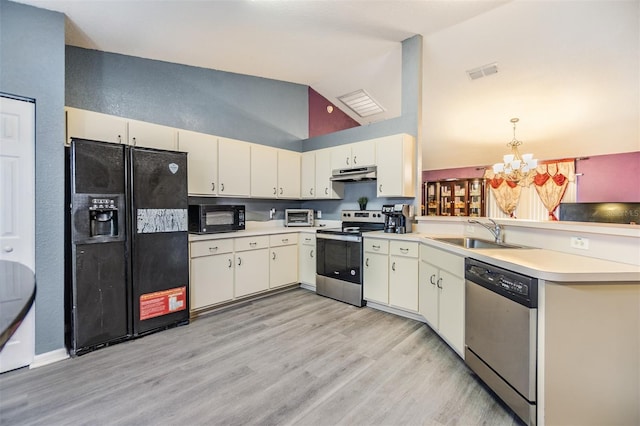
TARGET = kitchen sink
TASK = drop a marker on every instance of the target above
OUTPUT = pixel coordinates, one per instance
(475, 243)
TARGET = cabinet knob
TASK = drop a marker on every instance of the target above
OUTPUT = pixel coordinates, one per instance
(404, 250)
(393, 266)
(439, 281)
(311, 191)
(366, 262)
(347, 161)
(274, 255)
(222, 187)
(253, 244)
(230, 263)
(354, 160)
(213, 248)
(380, 188)
(119, 138)
(285, 240)
(375, 247)
(239, 261)
(213, 186)
(326, 191)
(311, 253)
(135, 142)
(7, 249)
(432, 279)
(280, 190)
(274, 190)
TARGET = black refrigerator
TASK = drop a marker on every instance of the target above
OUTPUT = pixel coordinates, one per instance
(127, 259)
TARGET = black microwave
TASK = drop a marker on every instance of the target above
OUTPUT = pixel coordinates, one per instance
(211, 219)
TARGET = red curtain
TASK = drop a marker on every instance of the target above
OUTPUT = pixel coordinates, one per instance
(551, 180)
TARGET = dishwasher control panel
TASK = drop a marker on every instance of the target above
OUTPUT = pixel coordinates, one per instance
(517, 287)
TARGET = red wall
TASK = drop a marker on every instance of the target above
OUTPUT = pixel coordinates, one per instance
(322, 122)
(609, 178)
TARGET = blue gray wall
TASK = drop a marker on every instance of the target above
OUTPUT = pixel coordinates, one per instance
(252, 109)
(32, 65)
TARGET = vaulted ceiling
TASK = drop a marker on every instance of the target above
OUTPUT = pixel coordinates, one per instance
(568, 70)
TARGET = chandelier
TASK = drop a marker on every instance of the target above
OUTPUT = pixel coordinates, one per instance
(515, 167)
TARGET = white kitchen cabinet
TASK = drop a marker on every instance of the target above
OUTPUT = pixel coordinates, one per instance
(234, 168)
(202, 161)
(376, 270)
(150, 135)
(441, 294)
(211, 273)
(308, 175)
(264, 171)
(85, 124)
(325, 188)
(251, 265)
(288, 174)
(396, 166)
(403, 274)
(283, 267)
(357, 154)
(307, 259)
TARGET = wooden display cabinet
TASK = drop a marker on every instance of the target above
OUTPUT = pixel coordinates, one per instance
(456, 197)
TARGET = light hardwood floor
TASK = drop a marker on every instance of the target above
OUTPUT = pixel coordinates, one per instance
(291, 358)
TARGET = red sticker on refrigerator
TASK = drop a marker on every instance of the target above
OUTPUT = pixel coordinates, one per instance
(163, 302)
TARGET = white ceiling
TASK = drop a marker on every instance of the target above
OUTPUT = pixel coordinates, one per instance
(568, 69)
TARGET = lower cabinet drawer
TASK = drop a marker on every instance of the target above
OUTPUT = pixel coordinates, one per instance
(252, 243)
(211, 247)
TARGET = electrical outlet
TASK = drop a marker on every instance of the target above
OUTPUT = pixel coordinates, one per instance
(319, 214)
(580, 243)
(272, 213)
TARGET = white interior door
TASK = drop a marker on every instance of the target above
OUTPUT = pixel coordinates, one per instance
(17, 215)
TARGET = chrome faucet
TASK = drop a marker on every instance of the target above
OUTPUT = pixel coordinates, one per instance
(496, 229)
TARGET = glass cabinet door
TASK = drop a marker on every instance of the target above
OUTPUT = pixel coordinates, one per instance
(431, 198)
(476, 197)
(459, 198)
(445, 199)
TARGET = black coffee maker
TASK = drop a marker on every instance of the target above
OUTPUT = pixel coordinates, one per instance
(397, 218)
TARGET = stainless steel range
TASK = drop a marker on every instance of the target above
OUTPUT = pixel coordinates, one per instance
(339, 256)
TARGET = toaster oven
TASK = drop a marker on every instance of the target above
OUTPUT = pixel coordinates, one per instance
(298, 217)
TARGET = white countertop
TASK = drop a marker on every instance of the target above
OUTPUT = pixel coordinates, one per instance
(539, 263)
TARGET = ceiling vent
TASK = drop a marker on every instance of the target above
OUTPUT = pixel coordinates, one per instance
(361, 103)
(482, 71)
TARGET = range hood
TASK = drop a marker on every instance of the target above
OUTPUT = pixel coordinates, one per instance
(354, 174)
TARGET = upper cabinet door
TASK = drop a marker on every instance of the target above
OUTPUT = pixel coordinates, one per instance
(325, 187)
(234, 168)
(151, 135)
(341, 157)
(363, 154)
(264, 171)
(288, 174)
(202, 161)
(308, 175)
(94, 125)
(396, 166)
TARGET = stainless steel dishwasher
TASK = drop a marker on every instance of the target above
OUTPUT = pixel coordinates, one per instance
(501, 333)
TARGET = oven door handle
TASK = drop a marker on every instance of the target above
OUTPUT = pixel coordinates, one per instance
(352, 238)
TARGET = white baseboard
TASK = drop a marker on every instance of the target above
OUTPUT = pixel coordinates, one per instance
(49, 358)
(396, 311)
(306, 286)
